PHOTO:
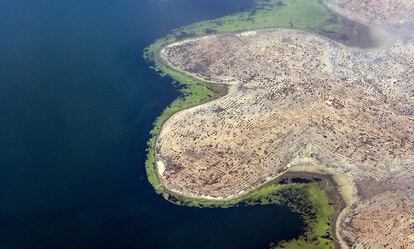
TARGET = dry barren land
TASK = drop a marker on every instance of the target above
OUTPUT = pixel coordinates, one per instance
(375, 11)
(303, 103)
(299, 100)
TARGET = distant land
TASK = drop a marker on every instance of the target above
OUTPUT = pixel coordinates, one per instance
(293, 88)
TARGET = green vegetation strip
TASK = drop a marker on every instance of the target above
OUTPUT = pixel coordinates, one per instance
(307, 199)
(193, 93)
(313, 204)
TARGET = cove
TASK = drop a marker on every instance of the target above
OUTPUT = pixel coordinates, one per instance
(77, 102)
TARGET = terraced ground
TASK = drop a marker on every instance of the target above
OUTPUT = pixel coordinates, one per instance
(301, 102)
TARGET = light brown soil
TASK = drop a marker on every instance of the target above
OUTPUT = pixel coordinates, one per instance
(300, 99)
(378, 12)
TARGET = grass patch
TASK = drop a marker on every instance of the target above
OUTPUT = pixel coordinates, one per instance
(318, 234)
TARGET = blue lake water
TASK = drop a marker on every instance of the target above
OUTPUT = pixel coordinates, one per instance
(77, 102)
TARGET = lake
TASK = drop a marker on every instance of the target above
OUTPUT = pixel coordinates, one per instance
(77, 102)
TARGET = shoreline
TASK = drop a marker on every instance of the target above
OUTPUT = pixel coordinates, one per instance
(339, 189)
(342, 193)
(332, 183)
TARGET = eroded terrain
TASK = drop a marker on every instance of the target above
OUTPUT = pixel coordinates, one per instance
(377, 12)
(299, 100)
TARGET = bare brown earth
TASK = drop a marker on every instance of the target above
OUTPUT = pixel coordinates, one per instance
(384, 12)
(299, 100)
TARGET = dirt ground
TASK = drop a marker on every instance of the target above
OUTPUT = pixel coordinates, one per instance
(304, 104)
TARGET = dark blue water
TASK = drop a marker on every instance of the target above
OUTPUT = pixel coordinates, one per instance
(76, 104)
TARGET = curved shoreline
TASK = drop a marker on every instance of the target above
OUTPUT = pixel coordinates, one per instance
(344, 188)
(224, 202)
(341, 194)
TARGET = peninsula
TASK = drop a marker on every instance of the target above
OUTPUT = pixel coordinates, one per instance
(301, 102)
